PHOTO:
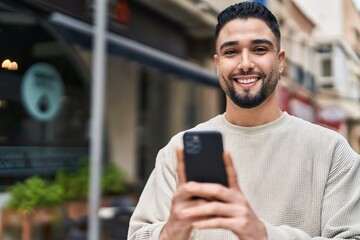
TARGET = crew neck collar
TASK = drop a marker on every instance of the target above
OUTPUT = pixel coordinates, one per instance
(227, 126)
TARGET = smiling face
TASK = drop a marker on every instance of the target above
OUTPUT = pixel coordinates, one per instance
(248, 62)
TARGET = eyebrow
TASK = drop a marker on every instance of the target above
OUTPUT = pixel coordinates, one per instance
(255, 41)
(227, 44)
(263, 41)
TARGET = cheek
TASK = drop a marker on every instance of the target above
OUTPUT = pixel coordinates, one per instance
(225, 67)
(268, 65)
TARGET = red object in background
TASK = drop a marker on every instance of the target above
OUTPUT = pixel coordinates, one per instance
(297, 102)
(331, 117)
(122, 11)
(332, 125)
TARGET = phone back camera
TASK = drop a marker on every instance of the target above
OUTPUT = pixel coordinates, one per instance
(192, 144)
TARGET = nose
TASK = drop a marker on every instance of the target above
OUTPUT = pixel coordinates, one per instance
(245, 61)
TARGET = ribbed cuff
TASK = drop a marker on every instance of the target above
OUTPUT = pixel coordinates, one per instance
(156, 232)
(274, 233)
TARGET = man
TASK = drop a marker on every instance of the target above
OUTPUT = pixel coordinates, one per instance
(288, 178)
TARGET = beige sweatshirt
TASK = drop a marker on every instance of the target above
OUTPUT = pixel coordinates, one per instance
(301, 179)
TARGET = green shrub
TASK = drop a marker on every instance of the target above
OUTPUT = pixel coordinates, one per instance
(76, 184)
(67, 186)
(114, 180)
(34, 192)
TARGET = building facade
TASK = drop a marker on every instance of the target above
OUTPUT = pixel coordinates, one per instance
(159, 81)
(337, 66)
(160, 77)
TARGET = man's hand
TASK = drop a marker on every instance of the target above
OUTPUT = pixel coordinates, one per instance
(227, 209)
(179, 227)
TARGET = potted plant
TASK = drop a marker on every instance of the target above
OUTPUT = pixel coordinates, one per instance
(38, 201)
(33, 202)
(75, 186)
(114, 180)
(33, 193)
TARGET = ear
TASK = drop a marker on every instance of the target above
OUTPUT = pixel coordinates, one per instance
(281, 59)
(217, 62)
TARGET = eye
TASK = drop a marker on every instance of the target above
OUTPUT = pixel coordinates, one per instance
(230, 52)
(260, 50)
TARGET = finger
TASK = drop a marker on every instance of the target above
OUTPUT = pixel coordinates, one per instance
(213, 209)
(180, 166)
(209, 191)
(189, 191)
(218, 222)
(230, 171)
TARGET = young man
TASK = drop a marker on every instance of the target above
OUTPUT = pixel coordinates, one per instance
(288, 178)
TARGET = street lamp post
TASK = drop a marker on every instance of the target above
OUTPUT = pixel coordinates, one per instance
(97, 116)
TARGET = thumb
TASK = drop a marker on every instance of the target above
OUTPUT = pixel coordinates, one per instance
(230, 171)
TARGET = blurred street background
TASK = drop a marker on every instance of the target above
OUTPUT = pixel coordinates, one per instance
(160, 79)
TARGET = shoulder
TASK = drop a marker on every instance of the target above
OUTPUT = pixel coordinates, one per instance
(322, 137)
(324, 144)
(312, 129)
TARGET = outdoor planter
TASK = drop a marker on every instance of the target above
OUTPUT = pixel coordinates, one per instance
(27, 220)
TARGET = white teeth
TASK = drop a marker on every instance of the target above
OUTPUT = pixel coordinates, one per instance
(247, 81)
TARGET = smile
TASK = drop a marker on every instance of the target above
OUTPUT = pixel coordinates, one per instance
(246, 80)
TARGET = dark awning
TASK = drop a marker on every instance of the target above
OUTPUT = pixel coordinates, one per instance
(74, 30)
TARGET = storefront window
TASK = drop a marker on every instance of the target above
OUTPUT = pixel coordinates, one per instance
(43, 100)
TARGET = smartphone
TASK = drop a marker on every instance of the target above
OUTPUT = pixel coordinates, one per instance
(204, 157)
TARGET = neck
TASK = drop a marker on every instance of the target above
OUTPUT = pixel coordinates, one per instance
(266, 112)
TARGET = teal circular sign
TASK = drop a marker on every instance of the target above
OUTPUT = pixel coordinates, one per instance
(41, 90)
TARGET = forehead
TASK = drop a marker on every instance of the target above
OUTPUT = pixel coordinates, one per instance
(243, 30)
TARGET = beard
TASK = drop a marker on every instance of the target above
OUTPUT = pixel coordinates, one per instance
(248, 99)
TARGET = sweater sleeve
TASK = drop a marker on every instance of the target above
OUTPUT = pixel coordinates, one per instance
(341, 203)
(153, 208)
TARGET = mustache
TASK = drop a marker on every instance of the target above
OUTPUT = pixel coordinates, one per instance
(243, 73)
